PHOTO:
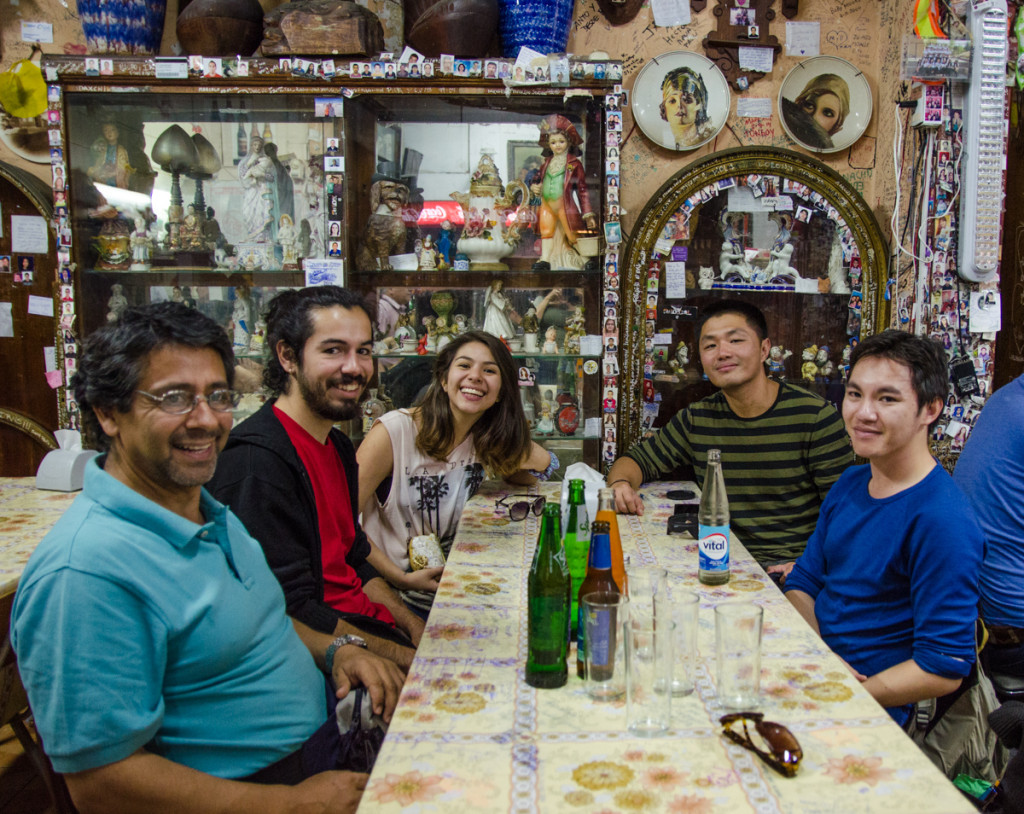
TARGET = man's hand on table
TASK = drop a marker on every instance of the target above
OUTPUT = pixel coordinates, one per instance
(782, 568)
(329, 791)
(383, 679)
(627, 501)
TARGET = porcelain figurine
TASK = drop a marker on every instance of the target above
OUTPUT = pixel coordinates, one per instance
(574, 331)
(530, 326)
(498, 311)
(564, 209)
(550, 340)
(117, 302)
(809, 368)
(428, 255)
(258, 177)
(288, 239)
(777, 357)
(142, 246)
(706, 277)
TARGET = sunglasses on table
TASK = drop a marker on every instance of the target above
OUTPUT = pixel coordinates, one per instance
(521, 508)
(784, 753)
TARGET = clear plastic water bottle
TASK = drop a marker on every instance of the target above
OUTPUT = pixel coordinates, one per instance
(713, 525)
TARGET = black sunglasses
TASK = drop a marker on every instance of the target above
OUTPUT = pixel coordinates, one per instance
(521, 508)
(785, 754)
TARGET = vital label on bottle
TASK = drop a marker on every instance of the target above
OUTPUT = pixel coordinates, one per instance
(714, 548)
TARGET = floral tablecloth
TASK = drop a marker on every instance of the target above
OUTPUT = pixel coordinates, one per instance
(26, 514)
(470, 735)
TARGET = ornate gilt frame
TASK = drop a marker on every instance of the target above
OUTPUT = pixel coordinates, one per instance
(874, 250)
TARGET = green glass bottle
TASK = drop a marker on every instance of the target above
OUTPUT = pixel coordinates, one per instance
(577, 544)
(548, 606)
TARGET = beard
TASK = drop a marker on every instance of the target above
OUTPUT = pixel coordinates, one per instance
(314, 393)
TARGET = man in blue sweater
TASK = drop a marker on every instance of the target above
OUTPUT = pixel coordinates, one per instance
(889, 578)
(991, 473)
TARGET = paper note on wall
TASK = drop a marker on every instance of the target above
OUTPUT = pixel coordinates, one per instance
(29, 235)
(671, 12)
(40, 306)
(6, 320)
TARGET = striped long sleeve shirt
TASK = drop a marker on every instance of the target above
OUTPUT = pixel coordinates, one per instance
(778, 466)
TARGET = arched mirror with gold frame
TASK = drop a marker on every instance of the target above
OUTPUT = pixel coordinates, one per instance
(770, 226)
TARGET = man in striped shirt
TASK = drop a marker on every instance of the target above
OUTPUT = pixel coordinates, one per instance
(782, 447)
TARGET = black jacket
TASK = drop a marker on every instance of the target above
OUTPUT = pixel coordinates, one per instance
(261, 478)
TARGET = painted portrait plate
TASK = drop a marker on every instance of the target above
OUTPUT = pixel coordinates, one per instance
(825, 104)
(681, 100)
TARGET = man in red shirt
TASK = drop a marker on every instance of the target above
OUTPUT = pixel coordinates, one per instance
(291, 477)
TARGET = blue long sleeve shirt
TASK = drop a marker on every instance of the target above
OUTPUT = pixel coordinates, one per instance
(895, 578)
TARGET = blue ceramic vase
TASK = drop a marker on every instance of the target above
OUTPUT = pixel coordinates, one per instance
(542, 25)
(122, 26)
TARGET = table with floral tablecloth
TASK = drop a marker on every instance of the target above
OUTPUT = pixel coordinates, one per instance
(470, 735)
(26, 514)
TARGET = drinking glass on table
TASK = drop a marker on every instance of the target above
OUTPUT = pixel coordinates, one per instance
(604, 615)
(682, 609)
(738, 654)
(648, 650)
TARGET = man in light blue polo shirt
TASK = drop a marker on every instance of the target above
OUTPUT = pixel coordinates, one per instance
(150, 633)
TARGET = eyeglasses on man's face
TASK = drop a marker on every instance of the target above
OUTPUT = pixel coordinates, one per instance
(783, 753)
(180, 402)
(521, 508)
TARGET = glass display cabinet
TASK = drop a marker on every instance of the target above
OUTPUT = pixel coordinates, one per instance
(425, 197)
(765, 225)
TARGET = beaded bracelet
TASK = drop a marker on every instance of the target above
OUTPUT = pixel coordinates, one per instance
(547, 473)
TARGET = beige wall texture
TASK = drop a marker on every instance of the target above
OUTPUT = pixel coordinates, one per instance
(868, 33)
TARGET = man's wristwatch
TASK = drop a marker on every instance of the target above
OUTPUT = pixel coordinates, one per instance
(341, 641)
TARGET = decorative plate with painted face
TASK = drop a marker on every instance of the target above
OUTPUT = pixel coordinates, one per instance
(825, 104)
(681, 100)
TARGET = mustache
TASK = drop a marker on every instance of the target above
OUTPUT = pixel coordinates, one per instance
(347, 378)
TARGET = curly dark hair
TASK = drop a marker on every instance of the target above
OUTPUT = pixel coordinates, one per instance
(288, 320)
(114, 357)
(501, 436)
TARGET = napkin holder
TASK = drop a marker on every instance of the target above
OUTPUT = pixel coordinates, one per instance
(63, 469)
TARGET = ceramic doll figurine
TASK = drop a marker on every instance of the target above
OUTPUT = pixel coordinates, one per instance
(430, 324)
(142, 245)
(428, 255)
(550, 340)
(117, 302)
(561, 184)
(545, 424)
(677, 364)
(186, 297)
(706, 277)
(404, 334)
(498, 312)
(530, 326)
(288, 239)
(777, 357)
(822, 361)
(574, 331)
(258, 338)
(809, 368)
(443, 332)
(240, 321)
(445, 245)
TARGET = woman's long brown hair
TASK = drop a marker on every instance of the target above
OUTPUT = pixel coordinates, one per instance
(501, 435)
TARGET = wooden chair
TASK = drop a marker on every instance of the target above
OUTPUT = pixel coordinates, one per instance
(14, 710)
